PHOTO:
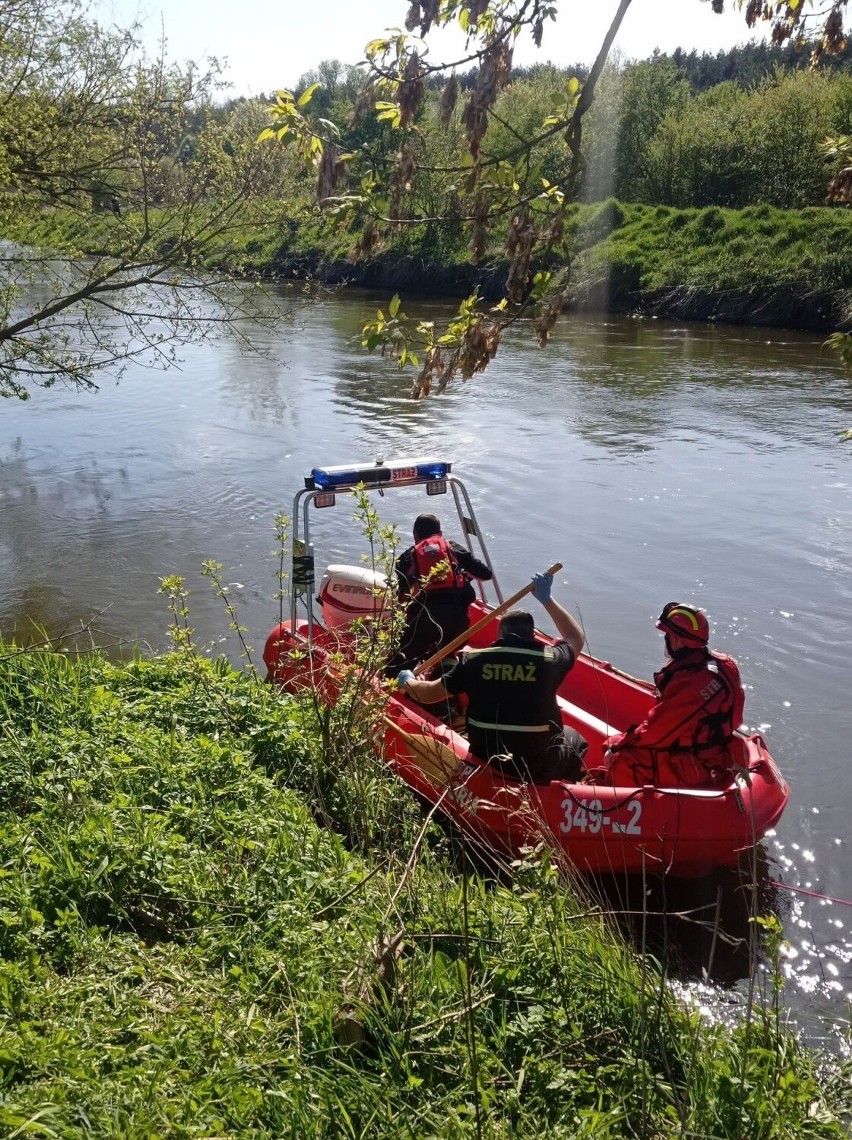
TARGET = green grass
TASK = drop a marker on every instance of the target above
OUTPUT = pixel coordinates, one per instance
(185, 950)
(759, 249)
(621, 251)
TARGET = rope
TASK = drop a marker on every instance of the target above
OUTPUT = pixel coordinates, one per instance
(811, 894)
(603, 810)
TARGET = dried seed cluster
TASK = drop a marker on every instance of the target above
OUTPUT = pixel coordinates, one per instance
(519, 246)
(495, 73)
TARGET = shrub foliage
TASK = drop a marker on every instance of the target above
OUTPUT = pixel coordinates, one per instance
(186, 951)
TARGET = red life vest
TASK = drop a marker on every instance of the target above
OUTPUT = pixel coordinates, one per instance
(436, 567)
(688, 737)
(722, 697)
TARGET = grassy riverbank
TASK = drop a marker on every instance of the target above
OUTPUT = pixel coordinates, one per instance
(209, 932)
(758, 265)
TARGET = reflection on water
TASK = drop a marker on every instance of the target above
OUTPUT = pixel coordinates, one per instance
(655, 460)
(702, 930)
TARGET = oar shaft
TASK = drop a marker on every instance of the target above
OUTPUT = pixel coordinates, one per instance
(481, 624)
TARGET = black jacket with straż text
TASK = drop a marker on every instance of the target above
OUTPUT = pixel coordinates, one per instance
(511, 688)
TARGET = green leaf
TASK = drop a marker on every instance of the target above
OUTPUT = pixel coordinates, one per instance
(389, 112)
(307, 95)
(393, 307)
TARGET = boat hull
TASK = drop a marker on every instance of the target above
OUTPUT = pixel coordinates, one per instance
(684, 832)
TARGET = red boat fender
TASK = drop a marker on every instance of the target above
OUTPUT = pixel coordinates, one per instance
(280, 644)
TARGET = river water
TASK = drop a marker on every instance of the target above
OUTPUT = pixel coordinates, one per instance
(656, 460)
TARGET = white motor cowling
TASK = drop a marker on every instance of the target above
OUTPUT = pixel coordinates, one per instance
(347, 593)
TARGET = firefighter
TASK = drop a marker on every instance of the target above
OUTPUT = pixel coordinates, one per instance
(434, 582)
(687, 738)
(513, 718)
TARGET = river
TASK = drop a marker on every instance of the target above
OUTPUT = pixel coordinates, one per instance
(656, 460)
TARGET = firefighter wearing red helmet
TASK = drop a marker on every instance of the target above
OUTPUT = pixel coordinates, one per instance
(687, 739)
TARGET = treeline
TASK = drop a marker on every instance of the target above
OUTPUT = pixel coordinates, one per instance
(750, 64)
(687, 130)
(740, 128)
(747, 65)
(653, 138)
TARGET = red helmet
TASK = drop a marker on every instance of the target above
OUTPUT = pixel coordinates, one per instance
(684, 621)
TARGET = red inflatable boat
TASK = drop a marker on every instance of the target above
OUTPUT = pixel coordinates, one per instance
(651, 829)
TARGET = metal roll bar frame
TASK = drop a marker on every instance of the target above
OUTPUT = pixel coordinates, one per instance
(302, 576)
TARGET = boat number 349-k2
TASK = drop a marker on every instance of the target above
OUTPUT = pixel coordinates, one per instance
(582, 815)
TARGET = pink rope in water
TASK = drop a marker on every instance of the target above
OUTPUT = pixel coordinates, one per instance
(812, 894)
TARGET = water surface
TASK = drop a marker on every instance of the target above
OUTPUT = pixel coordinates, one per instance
(656, 460)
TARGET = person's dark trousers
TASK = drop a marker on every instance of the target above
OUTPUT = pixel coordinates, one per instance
(427, 630)
(562, 760)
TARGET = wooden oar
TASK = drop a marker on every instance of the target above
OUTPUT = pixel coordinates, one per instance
(436, 761)
(481, 624)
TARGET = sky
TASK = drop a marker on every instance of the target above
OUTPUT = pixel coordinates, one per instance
(268, 44)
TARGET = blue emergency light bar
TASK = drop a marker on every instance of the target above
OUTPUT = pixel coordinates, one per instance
(346, 476)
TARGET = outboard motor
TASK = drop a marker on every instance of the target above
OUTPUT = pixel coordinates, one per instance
(350, 592)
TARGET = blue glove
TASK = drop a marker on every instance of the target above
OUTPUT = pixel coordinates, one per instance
(405, 678)
(541, 587)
